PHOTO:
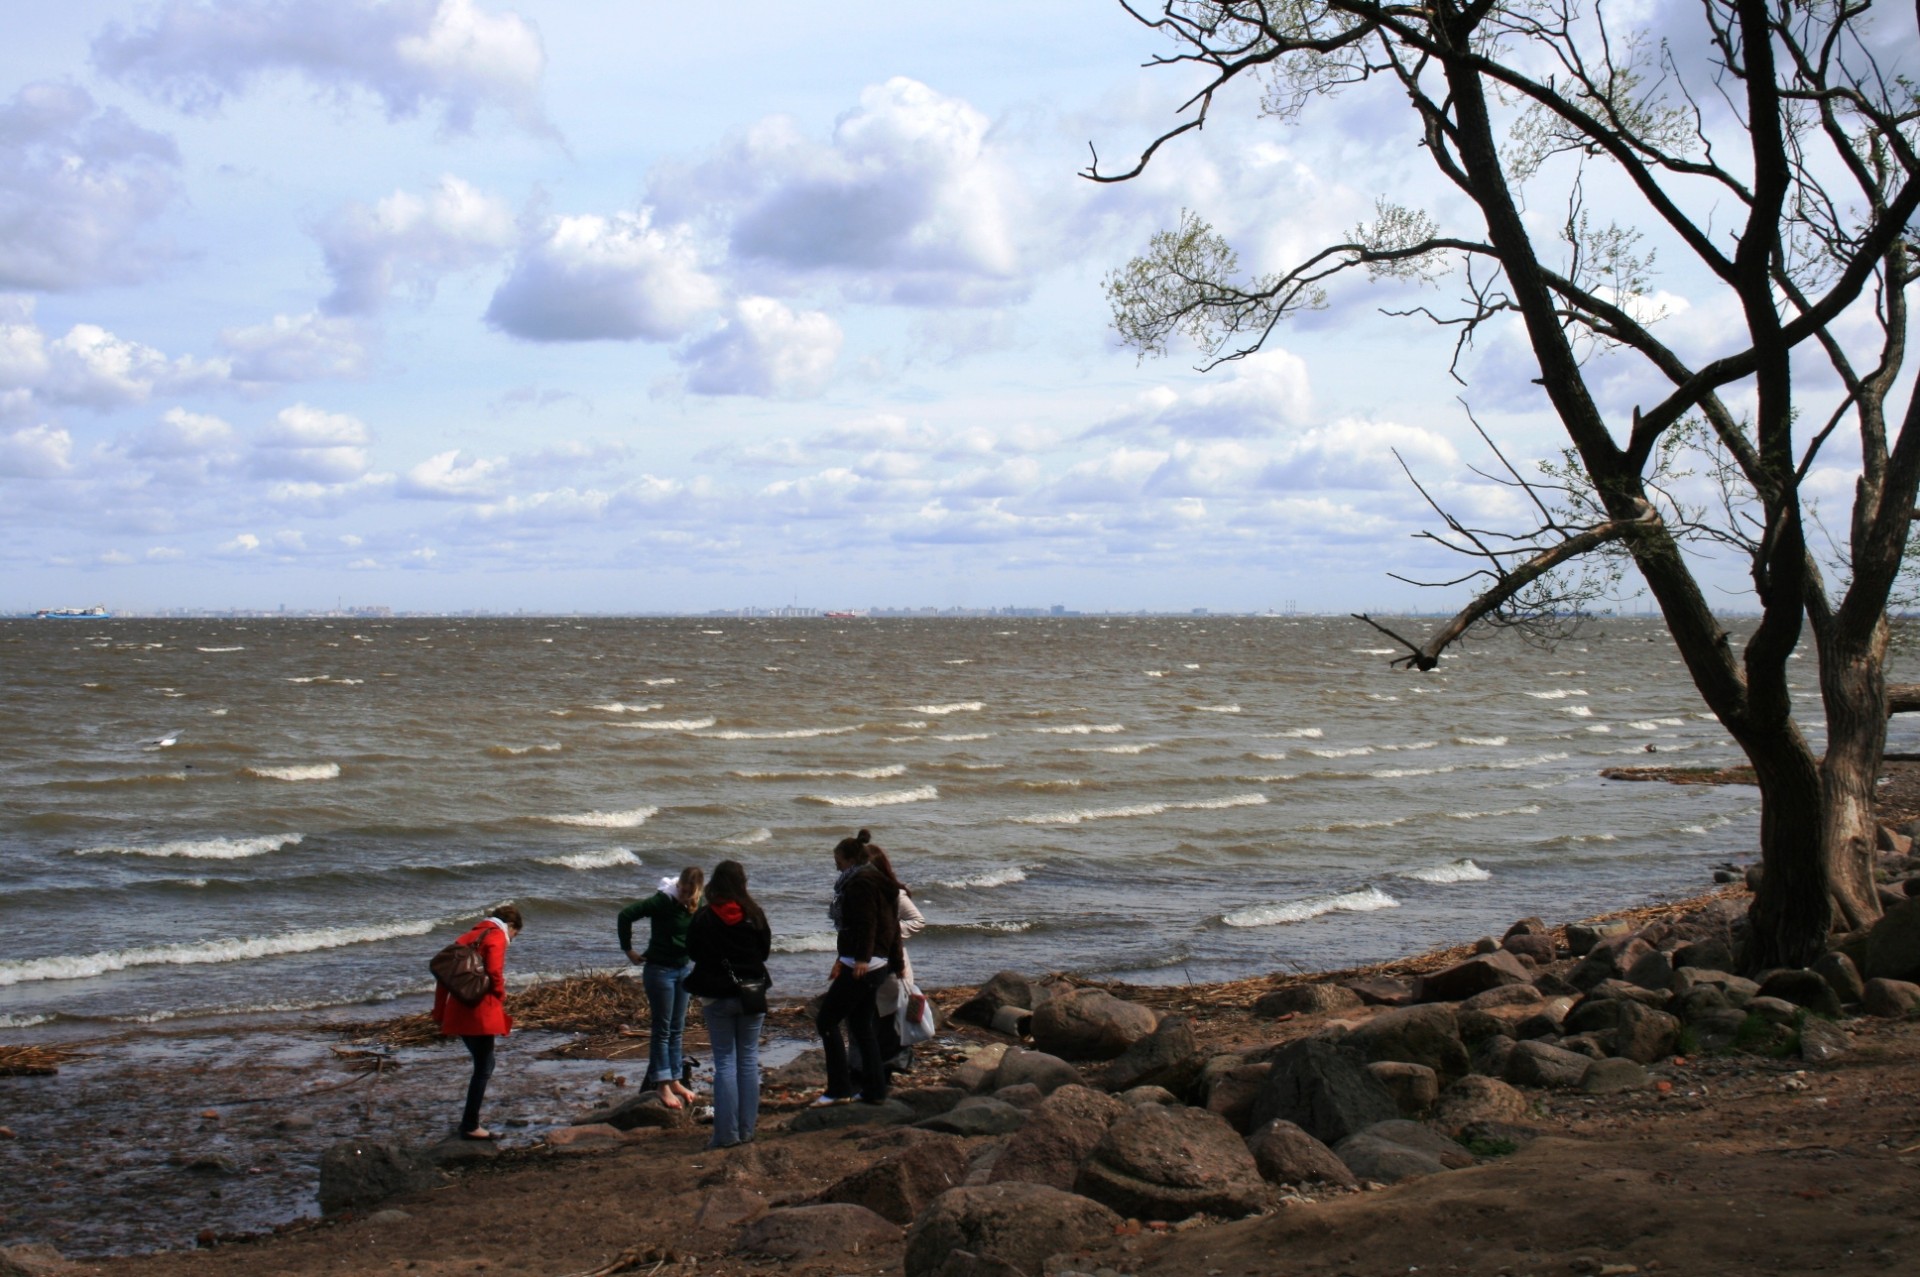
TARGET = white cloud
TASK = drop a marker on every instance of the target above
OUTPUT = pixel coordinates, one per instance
(78, 185)
(765, 349)
(908, 203)
(90, 366)
(37, 452)
(305, 444)
(409, 240)
(446, 477)
(410, 54)
(1360, 454)
(1258, 395)
(592, 278)
(307, 347)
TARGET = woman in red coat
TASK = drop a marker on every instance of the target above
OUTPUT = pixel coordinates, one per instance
(480, 1024)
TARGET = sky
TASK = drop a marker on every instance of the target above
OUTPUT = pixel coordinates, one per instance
(563, 305)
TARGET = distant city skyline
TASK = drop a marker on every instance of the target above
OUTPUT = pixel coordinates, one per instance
(477, 303)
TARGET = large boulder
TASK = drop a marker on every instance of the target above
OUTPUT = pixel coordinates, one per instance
(1383, 990)
(1890, 998)
(1019, 1225)
(1583, 936)
(802, 1232)
(1538, 1064)
(356, 1174)
(903, 1183)
(1376, 1158)
(1803, 988)
(835, 1117)
(1841, 975)
(1539, 948)
(1428, 1034)
(1478, 1099)
(1036, 1068)
(1414, 1087)
(976, 1115)
(1168, 1057)
(1893, 946)
(1286, 1154)
(1229, 1086)
(643, 1111)
(1323, 1090)
(1306, 999)
(1629, 1027)
(1090, 1024)
(1171, 1163)
(1059, 1134)
(1006, 989)
(1475, 975)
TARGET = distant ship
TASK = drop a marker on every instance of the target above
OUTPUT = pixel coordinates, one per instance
(94, 613)
(843, 616)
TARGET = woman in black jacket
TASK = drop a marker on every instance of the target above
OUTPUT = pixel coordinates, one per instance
(868, 943)
(728, 941)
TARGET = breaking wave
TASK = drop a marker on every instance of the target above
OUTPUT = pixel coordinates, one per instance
(632, 819)
(1366, 900)
(306, 771)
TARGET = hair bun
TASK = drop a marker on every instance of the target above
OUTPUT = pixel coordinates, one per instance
(864, 837)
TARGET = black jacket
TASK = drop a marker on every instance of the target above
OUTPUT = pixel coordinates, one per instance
(870, 920)
(714, 945)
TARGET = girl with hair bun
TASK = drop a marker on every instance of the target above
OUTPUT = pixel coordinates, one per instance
(867, 943)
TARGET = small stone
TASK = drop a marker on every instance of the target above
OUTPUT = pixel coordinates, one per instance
(6, 1133)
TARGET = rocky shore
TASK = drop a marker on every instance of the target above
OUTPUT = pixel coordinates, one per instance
(1599, 1097)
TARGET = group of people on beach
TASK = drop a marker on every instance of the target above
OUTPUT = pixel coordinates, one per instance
(708, 938)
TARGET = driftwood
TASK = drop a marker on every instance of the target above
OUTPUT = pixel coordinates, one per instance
(1903, 698)
(35, 1061)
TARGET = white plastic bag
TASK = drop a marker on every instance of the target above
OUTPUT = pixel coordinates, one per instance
(915, 1016)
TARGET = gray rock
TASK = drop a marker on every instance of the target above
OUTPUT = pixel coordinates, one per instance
(1803, 988)
(1058, 1135)
(1842, 977)
(1614, 1074)
(1548, 1020)
(1738, 990)
(1169, 1057)
(976, 1115)
(1527, 927)
(1414, 1087)
(977, 1072)
(1022, 1095)
(1717, 1030)
(1019, 1225)
(1229, 1086)
(1090, 1024)
(1428, 1034)
(1383, 1161)
(1628, 991)
(1537, 1064)
(1306, 999)
(1134, 1096)
(1652, 970)
(1172, 1163)
(1714, 955)
(1383, 990)
(1486, 944)
(1491, 1055)
(1415, 1135)
(1506, 995)
(1048, 1072)
(1700, 1001)
(1285, 1154)
(641, 1111)
(1478, 1099)
(840, 1116)
(1891, 999)
(803, 1232)
(1005, 989)
(1322, 1090)
(902, 1184)
(1775, 1010)
(1475, 975)
(1822, 1040)
(1893, 946)
(1583, 936)
(356, 1174)
(929, 1101)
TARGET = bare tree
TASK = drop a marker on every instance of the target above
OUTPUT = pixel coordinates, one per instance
(1785, 174)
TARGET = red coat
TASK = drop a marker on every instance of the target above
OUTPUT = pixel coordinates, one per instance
(456, 1018)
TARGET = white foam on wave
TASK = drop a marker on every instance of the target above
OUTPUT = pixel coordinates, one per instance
(1357, 751)
(1081, 729)
(1155, 673)
(892, 798)
(815, 942)
(957, 707)
(22, 1021)
(1348, 826)
(621, 707)
(1655, 724)
(914, 726)
(1492, 742)
(673, 724)
(1515, 764)
(959, 736)
(993, 878)
(798, 733)
(200, 848)
(204, 952)
(1080, 815)
(1401, 773)
(1530, 809)
(1453, 871)
(1374, 651)
(1366, 900)
(1298, 733)
(1217, 709)
(1557, 694)
(606, 859)
(750, 838)
(965, 660)
(631, 819)
(220, 649)
(306, 771)
(1578, 711)
(518, 751)
(814, 773)
(1140, 748)
(658, 682)
(1415, 747)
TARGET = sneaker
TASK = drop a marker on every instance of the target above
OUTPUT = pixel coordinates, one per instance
(828, 1101)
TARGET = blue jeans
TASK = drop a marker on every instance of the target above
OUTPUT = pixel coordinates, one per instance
(667, 1010)
(736, 1070)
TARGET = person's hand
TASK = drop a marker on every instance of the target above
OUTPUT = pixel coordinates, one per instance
(833, 972)
(634, 958)
(860, 969)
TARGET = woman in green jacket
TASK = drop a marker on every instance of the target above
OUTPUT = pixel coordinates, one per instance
(663, 971)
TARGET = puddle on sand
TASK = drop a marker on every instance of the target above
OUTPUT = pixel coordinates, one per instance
(158, 1135)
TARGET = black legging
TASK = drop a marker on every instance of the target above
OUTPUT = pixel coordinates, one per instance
(480, 1047)
(851, 1000)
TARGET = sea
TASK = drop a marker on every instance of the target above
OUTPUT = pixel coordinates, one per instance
(213, 818)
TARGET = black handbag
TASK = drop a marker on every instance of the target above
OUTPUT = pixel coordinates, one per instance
(751, 991)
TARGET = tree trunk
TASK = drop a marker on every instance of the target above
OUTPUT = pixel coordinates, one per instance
(1853, 685)
(1792, 912)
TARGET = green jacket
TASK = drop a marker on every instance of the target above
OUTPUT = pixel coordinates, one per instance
(668, 943)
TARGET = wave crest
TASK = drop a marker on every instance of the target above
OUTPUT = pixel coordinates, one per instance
(1366, 900)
